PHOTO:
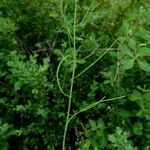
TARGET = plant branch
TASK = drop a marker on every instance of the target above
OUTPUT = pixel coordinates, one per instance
(73, 76)
(96, 60)
(93, 105)
(57, 76)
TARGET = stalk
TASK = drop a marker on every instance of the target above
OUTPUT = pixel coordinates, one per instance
(72, 78)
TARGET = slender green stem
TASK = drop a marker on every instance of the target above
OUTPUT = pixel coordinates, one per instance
(93, 105)
(57, 73)
(61, 8)
(96, 60)
(93, 52)
(86, 13)
(72, 78)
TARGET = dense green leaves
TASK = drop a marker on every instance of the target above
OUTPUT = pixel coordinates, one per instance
(107, 43)
(119, 140)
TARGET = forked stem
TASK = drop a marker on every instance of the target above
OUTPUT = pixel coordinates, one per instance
(72, 78)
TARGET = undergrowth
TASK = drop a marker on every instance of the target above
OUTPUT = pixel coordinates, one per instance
(74, 75)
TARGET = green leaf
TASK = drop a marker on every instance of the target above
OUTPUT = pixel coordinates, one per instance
(81, 61)
(87, 144)
(144, 34)
(112, 139)
(137, 128)
(125, 27)
(144, 65)
(128, 63)
(123, 113)
(144, 51)
(136, 95)
(125, 51)
(92, 124)
(132, 44)
(101, 124)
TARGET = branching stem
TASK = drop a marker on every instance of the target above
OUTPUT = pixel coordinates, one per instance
(72, 78)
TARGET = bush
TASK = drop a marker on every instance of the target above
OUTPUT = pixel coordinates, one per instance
(74, 74)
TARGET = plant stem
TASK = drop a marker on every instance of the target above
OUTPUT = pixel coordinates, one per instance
(93, 105)
(57, 77)
(72, 78)
(96, 60)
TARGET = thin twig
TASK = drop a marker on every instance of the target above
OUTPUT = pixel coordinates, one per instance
(98, 49)
(86, 13)
(96, 60)
(93, 105)
(57, 76)
(5, 85)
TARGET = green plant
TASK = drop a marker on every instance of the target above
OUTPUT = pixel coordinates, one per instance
(119, 140)
(74, 74)
(133, 51)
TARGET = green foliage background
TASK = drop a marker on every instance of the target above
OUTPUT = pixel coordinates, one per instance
(38, 40)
